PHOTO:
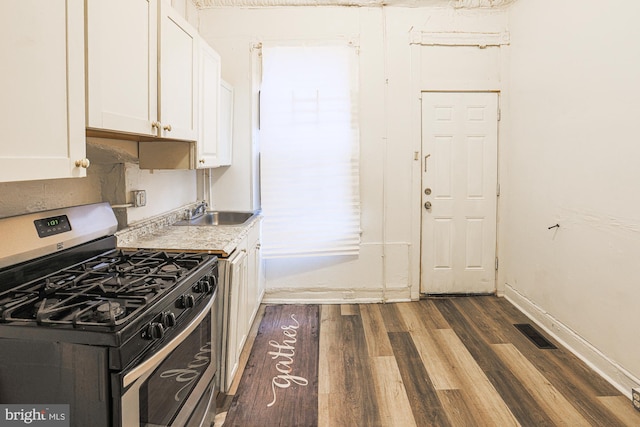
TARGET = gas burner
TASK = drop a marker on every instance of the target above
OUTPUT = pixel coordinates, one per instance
(109, 311)
(108, 290)
(170, 269)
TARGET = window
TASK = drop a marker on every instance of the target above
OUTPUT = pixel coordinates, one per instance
(309, 161)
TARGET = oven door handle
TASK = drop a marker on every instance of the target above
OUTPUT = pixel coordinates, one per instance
(161, 354)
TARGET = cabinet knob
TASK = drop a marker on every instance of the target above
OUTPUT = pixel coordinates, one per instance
(167, 128)
(201, 161)
(83, 163)
(156, 125)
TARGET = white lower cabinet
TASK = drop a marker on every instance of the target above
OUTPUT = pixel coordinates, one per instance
(242, 294)
(237, 329)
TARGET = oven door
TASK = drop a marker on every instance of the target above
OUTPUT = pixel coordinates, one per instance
(174, 386)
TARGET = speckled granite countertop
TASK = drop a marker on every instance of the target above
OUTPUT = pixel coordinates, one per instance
(221, 240)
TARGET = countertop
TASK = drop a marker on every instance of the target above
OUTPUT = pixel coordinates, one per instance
(159, 234)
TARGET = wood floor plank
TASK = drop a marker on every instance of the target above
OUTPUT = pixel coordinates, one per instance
(433, 319)
(455, 404)
(394, 406)
(374, 330)
(353, 398)
(510, 390)
(328, 345)
(547, 396)
(568, 361)
(622, 408)
(324, 408)
(349, 309)
(440, 372)
(421, 316)
(482, 317)
(392, 320)
(570, 375)
(425, 404)
(482, 397)
(439, 368)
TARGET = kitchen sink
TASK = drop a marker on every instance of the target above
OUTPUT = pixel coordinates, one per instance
(219, 218)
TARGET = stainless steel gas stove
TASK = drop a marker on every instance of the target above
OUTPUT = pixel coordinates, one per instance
(122, 337)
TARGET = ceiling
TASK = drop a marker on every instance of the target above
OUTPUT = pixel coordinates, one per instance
(465, 4)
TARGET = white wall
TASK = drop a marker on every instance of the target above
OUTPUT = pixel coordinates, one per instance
(386, 267)
(33, 196)
(113, 183)
(572, 159)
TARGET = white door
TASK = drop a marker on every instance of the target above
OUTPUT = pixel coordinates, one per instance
(459, 191)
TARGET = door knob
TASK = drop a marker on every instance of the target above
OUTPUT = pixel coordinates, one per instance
(427, 205)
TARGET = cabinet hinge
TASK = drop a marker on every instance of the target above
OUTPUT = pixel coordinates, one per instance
(498, 190)
(499, 113)
(496, 263)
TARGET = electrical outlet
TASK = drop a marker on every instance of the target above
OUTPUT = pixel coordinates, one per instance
(139, 198)
(635, 394)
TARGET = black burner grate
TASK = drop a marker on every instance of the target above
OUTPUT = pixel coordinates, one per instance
(108, 290)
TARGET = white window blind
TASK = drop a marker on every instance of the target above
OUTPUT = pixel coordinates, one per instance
(309, 161)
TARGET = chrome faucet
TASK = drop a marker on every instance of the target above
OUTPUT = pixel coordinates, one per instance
(197, 211)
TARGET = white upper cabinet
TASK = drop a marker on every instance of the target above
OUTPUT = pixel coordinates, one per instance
(141, 69)
(122, 66)
(225, 133)
(178, 78)
(209, 93)
(42, 87)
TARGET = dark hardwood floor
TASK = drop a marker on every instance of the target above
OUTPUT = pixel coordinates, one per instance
(450, 362)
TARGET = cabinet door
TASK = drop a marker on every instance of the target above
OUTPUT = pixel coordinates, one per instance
(226, 124)
(122, 65)
(178, 76)
(237, 329)
(209, 91)
(254, 273)
(42, 87)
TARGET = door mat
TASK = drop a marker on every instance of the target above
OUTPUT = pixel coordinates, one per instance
(279, 386)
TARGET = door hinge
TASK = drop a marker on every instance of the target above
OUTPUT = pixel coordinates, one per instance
(496, 263)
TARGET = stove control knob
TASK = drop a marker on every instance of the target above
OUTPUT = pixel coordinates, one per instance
(203, 286)
(154, 331)
(168, 319)
(186, 301)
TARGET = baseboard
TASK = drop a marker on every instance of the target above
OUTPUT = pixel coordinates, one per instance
(620, 378)
(335, 296)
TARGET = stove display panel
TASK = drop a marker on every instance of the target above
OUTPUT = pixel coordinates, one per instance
(50, 226)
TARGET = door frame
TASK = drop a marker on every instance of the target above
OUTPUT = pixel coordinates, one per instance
(417, 190)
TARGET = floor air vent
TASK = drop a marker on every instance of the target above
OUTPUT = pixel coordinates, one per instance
(534, 335)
